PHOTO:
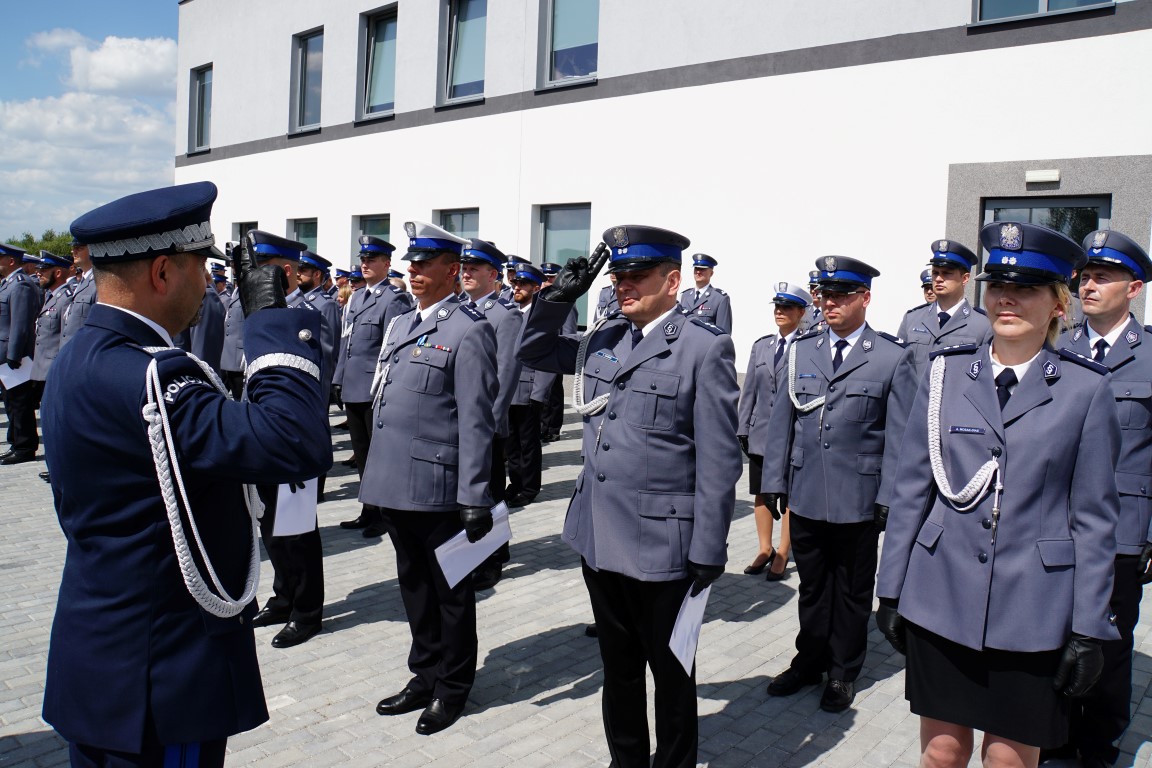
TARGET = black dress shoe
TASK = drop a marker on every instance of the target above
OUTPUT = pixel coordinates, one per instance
(790, 681)
(45, 476)
(357, 524)
(407, 700)
(436, 717)
(268, 617)
(520, 500)
(374, 531)
(486, 575)
(838, 696)
(349, 462)
(7, 453)
(18, 457)
(755, 570)
(295, 633)
(591, 631)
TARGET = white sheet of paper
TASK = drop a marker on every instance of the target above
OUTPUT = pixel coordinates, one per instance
(686, 632)
(458, 557)
(295, 512)
(14, 378)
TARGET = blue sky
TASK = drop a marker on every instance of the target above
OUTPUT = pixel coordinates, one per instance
(87, 106)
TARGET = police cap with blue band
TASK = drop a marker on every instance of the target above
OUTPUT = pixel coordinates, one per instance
(551, 268)
(427, 241)
(483, 252)
(48, 260)
(370, 245)
(703, 260)
(265, 245)
(148, 224)
(842, 272)
(513, 260)
(341, 273)
(216, 267)
(11, 250)
(635, 247)
(813, 278)
(395, 273)
(949, 253)
(1028, 254)
(528, 271)
(1107, 246)
(926, 279)
(356, 276)
(219, 278)
(315, 260)
(30, 258)
(788, 294)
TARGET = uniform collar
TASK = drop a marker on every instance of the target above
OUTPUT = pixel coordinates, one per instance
(147, 321)
(424, 314)
(1111, 337)
(851, 338)
(655, 323)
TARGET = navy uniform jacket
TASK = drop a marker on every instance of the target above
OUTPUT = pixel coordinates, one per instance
(661, 460)
(713, 306)
(19, 305)
(761, 381)
(206, 339)
(128, 641)
(1049, 571)
(1130, 363)
(606, 302)
(828, 460)
(232, 354)
(433, 423)
(366, 317)
(317, 301)
(80, 304)
(507, 320)
(48, 332)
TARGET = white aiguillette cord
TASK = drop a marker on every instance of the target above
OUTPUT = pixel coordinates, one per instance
(968, 496)
(168, 473)
(598, 403)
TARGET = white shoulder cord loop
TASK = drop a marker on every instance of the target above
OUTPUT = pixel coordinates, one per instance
(168, 474)
(971, 494)
(811, 405)
(381, 374)
(598, 403)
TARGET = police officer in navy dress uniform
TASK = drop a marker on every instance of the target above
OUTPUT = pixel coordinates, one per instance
(998, 557)
(825, 467)
(20, 300)
(83, 292)
(297, 560)
(141, 673)
(652, 507)
(368, 314)
(1117, 269)
(429, 466)
(705, 300)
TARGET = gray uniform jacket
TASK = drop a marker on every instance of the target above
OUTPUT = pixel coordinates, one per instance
(761, 382)
(1130, 363)
(713, 306)
(828, 460)
(367, 315)
(318, 301)
(920, 330)
(1046, 570)
(506, 320)
(534, 385)
(79, 305)
(433, 423)
(48, 333)
(813, 319)
(205, 340)
(606, 302)
(661, 459)
(232, 355)
(19, 305)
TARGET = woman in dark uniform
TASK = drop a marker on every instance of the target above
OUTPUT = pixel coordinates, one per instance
(996, 570)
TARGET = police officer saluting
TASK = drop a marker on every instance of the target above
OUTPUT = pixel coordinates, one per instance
(824, 466)
(651, 510)
(433, 428)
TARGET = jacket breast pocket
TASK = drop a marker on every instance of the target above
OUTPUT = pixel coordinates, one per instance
(665, 534)
(863, 400)
(434, 470)
(1133, 403)
(1057, 554)
(425, 370)
(807, 390)
(369, 331)
(652, 399)
(599, 371)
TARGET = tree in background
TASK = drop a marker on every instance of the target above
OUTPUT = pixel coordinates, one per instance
(51, 241)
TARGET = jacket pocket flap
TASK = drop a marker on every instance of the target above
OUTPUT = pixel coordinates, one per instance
(601, 368)
(1132, 484)
(864, 388)
(1132, 390)
(797, 459)
(1056, 552)
(869, 463)
(681, 506)
(430, 356)
(437, 453)
(929, 534)
(664, 384)
(809, 386)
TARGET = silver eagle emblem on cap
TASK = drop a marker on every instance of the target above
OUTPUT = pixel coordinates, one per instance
(1011, 237)
(620, 237)
(943, 246)
(829, 263)
(410, 229)
(1099, 239)
(781, 287)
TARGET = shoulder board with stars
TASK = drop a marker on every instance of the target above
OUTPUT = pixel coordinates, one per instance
(1087, 362)
(469, 312)
(507, 303)
(894, 339)
(764, 337)
(918, 306)
(722, 293)
(715, 329)
(812, 333)
(980, 311)
(955, 349)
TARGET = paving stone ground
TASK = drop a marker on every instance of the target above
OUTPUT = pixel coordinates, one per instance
(537, 696)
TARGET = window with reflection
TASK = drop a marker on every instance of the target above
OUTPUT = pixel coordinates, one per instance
(466, 30)
(201, 112)
(463, 222)
(573, 35)
(305, 231)
(309, 78)
(566, 233)
(380, 66)
(1006, 9)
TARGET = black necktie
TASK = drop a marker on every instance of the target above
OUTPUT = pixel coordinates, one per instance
(944, 317)
(1005, 379)
(415, 321)
(779, 353)
(838, 358)
(1101, 350)
(637, 336)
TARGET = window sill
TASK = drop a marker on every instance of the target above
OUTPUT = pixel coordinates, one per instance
(311, 130)
(376, 118)
(462, 101)
(199, 151)
(1045, 15)
(571, 82)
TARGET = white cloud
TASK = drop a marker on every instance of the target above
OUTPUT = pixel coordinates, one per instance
(57, 40)
(125, 65)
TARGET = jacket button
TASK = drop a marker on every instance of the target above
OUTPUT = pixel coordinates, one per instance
(619, 385)
(827, 426)
(607, 447)
(986, 523)
(1128, 392)
(982, 557)
(437, 455)
(611, 414)
(597, 370)
(671, 510)
(652, 385)
(828, 408)
(831, 387)
(600, 477)
(380, 425)
(865, 389)
(396, 358)
(825, 445)
(241, 619)
(1143, 489)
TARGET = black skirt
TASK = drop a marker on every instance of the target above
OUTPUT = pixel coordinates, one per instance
(755, 470)
(1005, 693)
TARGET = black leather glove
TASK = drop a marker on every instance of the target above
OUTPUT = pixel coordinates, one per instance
(13, 364)
(880, 518)
(703, 575)
(1079, 667)
(744, 444)
(777, 504)
(477, 522)
(576, 277)
(293, 486)
(891, 624)
(260, 287)
(1144, 567)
